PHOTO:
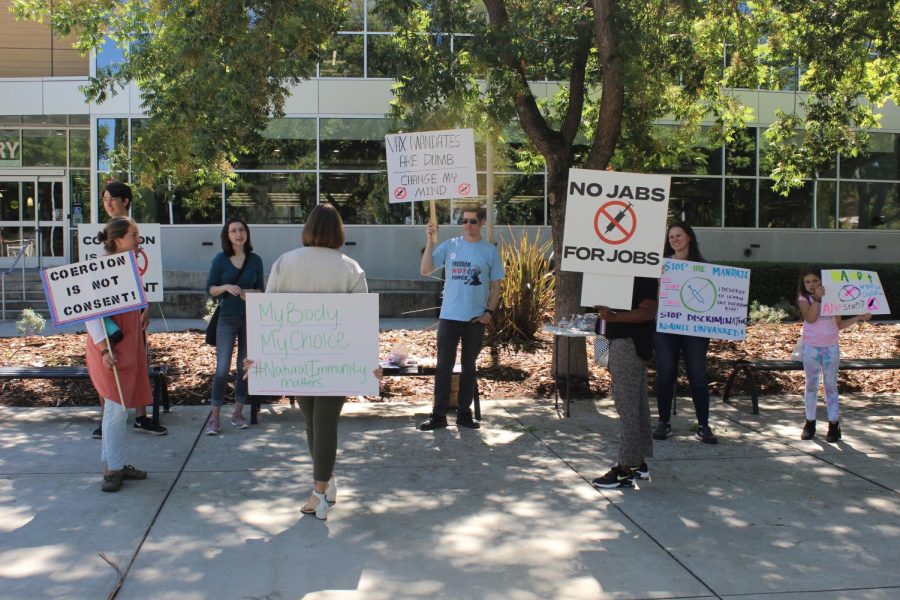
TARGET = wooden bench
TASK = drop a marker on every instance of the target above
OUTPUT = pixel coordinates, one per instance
(751, 367)
(157, 375)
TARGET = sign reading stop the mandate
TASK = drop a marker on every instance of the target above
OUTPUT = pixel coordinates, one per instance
(148, 258)
(431, 165)
(615, 223)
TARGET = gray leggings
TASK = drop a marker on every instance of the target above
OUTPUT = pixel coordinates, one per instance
(322, 414)
(628, 389)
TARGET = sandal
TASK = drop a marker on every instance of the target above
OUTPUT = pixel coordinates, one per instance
(112, 481)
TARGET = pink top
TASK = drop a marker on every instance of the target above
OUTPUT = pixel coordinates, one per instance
(822, 333)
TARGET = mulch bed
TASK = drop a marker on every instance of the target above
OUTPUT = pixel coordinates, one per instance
(515, 375)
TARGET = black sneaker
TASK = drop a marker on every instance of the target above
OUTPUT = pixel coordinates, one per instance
(145, 424)
(98, 433)
(705, 435)
(466, 420)
(809, 430)
(642, 472)
(834, 432)
(663, 430)
(432, 423)
(616, 477)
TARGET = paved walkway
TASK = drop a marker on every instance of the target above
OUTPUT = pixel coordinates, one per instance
(506, 512)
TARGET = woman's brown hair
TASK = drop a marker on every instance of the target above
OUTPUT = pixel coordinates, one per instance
(324, 228)
(116, 228)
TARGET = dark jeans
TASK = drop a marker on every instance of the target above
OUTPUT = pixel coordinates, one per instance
(449, 335)
(230, 328)
(668, 346)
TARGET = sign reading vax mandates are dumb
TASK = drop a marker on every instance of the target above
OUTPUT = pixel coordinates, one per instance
(102, 287)
(148, 256)
(312, 344)
(615, 223)
(431, 165)
(703, 300)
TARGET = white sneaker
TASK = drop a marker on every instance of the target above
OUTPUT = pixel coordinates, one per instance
(331, 491)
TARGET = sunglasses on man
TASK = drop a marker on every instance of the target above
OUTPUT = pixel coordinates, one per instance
(469, 221)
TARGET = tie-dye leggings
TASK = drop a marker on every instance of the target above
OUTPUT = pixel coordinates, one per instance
(818, 361)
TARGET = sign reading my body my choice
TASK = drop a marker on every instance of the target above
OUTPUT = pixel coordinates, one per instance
(615, 223)
(149, 257)
(105, 286)
(312, 344)
(431, 165)
(703, 300)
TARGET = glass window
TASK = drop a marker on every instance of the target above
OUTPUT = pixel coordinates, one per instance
(794, 210)
(700, 157)
(361, 198)
(109, 54)
(44, 148)
(766, 164)
(880, 162)
(697, 201)
(79, 148)
(869, 205)
(44, 120)
(518, 199)
(200, 206)
(422, 211)
(80, 197)
(355, 16)
(342, 56)
(266, 198)
(10, 148)
(285, 144)
(740, 153)
(353, 143)
(112, 136)
(79, 120)
(740, 203)
(382, 57)
(826, 204)
(10, 203)
(376, 22)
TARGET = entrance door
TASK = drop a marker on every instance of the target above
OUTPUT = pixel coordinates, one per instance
(32, 220)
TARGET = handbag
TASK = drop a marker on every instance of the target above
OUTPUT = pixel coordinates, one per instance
(601, 351)
(214, 319)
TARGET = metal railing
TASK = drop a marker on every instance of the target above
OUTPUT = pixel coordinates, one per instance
(28, 243)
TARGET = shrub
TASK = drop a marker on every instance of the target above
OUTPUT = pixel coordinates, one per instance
(761, 313)
(30, 323)
(209, 308)
(526, 294)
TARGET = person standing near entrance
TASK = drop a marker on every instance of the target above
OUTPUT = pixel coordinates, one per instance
(117, 203)
(472, 274)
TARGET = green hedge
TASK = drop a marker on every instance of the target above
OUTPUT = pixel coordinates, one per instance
(773, 282)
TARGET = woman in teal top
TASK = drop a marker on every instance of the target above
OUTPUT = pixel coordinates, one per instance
(223, 283)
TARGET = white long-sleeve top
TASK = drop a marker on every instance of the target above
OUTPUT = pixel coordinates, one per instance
(316, 270)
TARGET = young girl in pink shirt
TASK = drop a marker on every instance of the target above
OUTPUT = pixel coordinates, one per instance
(820, 353)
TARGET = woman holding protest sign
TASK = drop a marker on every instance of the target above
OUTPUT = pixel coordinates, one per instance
(118, 372)
(681, 244)
(319, 267)
(234, 272)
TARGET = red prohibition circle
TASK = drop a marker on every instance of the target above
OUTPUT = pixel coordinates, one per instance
(400, 193)
(143, 263)
(464, 189)
(605, 222)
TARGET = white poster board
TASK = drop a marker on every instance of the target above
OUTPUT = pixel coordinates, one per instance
(852, 292)
(615, 223)
(611, 291)
(313, 344)
(431, 165)
(148, 258)
(102, 287)
(703, 300)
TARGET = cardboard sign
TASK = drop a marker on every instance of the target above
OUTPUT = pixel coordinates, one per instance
(431, 165)
(148, 258)
(703, 300)
(87, 290)
(615, 223)
(852, 292)
(313, 344)
(611, 291)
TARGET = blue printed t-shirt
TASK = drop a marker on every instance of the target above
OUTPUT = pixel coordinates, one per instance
(222, 272)
(469, 267)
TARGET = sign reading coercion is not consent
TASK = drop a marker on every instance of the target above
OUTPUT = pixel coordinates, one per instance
(852, 292)
(703, 300)
(105, 286)
(148, 258)
(312, 344)
(431, 165)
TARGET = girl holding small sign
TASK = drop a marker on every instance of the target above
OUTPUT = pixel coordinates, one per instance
(820, 351)
(119, 373)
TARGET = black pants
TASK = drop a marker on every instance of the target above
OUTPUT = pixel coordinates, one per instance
(449, 335)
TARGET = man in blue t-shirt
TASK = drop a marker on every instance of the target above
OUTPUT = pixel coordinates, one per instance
(472, 274)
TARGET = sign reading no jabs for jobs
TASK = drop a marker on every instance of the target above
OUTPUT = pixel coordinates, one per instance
(431, 165)
(102, 287)
(148, 258)
(615, 223)
(312, 344)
